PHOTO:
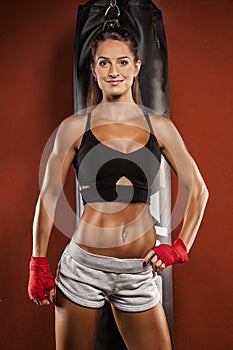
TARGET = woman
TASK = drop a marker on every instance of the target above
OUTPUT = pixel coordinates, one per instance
(116, 150)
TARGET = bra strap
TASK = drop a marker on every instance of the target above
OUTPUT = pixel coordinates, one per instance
(146, 114)
(88, 124)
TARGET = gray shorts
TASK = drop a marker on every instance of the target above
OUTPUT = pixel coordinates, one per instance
(89, 279)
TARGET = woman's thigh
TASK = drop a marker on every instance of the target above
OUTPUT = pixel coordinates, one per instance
(144, 330)
(75, 326)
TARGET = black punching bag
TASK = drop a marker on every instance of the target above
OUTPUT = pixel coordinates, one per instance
(145, 22)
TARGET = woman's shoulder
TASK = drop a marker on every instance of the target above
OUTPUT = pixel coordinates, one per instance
(161, 124)
(167, 133)
(73, 124)
(160, 120)
(164, 129)
(73, 121)
(71, 128)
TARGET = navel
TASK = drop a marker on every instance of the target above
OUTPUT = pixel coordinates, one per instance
(124, 234)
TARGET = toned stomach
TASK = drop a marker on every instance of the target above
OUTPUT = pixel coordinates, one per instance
(116, 229)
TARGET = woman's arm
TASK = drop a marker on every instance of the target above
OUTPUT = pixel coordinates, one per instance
(56, 172)
(177, 155)
(41, 285)
(175, 152)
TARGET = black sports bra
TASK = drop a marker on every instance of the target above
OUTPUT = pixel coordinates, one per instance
(99, 167)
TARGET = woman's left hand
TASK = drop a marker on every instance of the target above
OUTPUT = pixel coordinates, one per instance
(165, 255)
(155, 261)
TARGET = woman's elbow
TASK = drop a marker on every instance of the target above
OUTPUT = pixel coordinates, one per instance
(51, 193)
(204, 193)
(200, 192)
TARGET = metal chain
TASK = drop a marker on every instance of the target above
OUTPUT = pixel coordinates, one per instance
(114, 6)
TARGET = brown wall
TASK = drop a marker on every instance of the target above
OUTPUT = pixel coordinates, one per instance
(200, 37)
(36, 41)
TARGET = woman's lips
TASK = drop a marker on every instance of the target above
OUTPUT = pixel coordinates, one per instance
(115, 82)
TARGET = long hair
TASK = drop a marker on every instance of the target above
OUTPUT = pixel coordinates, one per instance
(94, 95)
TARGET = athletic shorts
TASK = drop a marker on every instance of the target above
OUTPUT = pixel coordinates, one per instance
(89, 279)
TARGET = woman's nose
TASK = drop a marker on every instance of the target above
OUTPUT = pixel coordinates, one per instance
(113, 72)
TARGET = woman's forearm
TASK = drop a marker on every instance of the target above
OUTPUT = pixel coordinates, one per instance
(42, 224)
(193, 214)
(51, 189)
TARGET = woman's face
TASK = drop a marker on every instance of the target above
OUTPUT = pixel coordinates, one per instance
(115, 69)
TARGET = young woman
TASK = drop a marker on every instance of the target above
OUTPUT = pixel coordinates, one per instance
(116, 150)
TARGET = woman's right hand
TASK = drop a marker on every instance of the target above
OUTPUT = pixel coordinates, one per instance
(41, 284)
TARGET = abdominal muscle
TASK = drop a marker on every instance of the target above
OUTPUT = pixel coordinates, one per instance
(119, 230)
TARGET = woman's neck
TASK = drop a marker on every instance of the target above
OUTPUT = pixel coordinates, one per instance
(124, 98)
(117, 111)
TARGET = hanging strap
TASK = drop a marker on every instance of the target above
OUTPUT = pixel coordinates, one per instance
(112, 15)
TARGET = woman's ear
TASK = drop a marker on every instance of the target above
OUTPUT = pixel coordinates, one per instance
(137, 68)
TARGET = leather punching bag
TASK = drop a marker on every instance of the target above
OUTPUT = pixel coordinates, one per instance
(145, 21)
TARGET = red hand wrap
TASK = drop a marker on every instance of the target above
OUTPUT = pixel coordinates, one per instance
(172, 254)
(40, 279)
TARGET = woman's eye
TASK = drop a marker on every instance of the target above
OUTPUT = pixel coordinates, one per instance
(123, 63)
(103, 63)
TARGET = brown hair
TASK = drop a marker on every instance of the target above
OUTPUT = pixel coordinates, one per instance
(94, 95)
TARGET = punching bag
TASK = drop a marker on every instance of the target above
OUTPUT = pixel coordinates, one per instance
(145, 22)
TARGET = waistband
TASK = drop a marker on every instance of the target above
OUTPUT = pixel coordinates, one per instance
(105, 263)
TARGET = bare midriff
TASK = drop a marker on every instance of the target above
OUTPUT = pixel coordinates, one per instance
(122, 230)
